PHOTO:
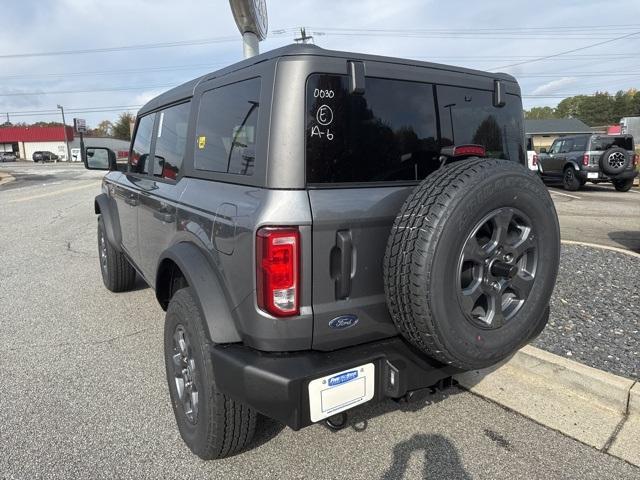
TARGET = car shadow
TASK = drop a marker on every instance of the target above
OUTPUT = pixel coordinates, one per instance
(629, 239)
(441, 458)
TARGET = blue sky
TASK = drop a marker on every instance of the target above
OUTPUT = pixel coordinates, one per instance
(484, 35)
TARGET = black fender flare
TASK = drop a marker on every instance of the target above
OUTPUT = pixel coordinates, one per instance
(202, 278)
(573, 164)
(106, 206)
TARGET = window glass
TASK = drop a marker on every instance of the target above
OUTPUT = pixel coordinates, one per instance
(567, 146)
(602, 143)
(226, 128)
(580, 143)
(139, 161)
(387, 134)
(467, 116)
(555, 148)
(171, 139)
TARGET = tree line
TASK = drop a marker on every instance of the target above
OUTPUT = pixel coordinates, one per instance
(118, 129)
(599, 109)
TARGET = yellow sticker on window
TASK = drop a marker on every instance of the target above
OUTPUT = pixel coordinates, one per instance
(202, 142)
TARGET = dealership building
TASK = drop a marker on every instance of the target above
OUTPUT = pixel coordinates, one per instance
(23, 141)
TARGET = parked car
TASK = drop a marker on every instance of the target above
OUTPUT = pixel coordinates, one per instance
(320, 237)
(532, 156)
(45, 156)
(579, 159)
(8, 157)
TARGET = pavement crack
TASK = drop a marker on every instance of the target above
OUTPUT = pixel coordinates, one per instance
(88, 343)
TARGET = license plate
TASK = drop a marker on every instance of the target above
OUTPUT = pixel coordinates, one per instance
(592, 174)
(341, 391)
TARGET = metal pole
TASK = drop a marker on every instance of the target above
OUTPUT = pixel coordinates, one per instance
(66, 140)
(250, 44)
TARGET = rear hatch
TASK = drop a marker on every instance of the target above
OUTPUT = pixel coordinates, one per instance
(364, 154)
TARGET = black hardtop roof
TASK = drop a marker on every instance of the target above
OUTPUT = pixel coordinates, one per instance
(186, 89)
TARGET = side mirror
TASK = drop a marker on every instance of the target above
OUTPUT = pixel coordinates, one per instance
(543, 150)
(100, 158)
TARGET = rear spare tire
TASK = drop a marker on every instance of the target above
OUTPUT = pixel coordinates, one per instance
(471, 262)
(614, 161)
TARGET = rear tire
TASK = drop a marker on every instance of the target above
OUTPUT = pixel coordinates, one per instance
(117, 273)
(432, 275)
(623, 185)
(570, 181)
(212, 424)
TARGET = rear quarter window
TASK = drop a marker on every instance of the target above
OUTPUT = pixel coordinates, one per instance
(226, 128)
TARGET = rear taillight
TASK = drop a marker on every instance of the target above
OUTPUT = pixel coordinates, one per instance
(635, 160)
(535, 160)
(278, 276)
(585, 159)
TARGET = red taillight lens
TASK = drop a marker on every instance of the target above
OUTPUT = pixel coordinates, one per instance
(475, 150)
(585, 159)
(278, 279)
(535, 160)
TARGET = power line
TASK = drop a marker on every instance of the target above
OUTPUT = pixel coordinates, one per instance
(568, 51)
(61, 92)
(146, 46)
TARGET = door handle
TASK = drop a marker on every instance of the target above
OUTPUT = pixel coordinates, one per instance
(131, 200)
(342, 259)
(165, 216)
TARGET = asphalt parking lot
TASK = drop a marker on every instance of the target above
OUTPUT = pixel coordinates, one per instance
(599, 214)
(82, 383)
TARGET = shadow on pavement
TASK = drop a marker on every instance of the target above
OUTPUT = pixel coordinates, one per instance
(441, 458)
(629, 239)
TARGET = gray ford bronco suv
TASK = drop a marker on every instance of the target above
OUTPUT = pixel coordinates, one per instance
(326, 229)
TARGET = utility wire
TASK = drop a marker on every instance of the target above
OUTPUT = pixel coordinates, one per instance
(61, 92)
(568, 51)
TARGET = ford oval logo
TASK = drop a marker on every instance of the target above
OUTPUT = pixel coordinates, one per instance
(344, 321)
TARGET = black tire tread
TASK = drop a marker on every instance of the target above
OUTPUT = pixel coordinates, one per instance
(231, 425)
(120, 275)
(413, 241)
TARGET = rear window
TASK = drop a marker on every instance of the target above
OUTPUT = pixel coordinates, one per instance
(387, 134)
(226, 128)
(467, 116)
(600, 144)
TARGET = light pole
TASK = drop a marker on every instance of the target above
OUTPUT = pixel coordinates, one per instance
(64, 127)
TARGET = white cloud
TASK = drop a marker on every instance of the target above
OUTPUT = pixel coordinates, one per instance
(554, 86)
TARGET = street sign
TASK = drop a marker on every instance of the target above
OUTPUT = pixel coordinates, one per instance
(80, 125)
(251, 16)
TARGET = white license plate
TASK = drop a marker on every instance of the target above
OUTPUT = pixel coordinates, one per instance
(592, 174)
(341, 391)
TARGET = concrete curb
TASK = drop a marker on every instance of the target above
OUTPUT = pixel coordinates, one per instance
(5, 178)
(604, 247)
(582, 402)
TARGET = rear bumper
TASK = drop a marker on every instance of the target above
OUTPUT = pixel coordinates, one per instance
(602, 177)
(276, 384)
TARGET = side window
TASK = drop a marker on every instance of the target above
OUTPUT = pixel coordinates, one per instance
(468, 116)
(226, 128)
(555, 148)
(579, 144)
(139, 160)
(171, 140)
(387, 134)
(567, 146)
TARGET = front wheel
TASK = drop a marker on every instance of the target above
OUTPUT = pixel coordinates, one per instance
(212, 424)
(570, 181)
(623, 185)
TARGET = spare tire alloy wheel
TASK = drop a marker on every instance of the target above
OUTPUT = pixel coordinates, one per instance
(614, 161)
(497, 268)
(471, 262)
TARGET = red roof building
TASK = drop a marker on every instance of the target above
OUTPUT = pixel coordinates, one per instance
(35, 134)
